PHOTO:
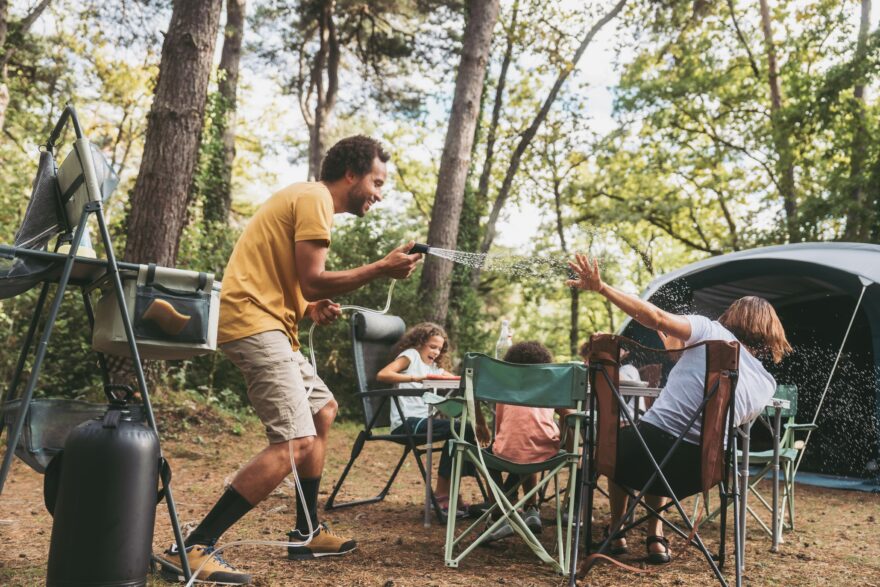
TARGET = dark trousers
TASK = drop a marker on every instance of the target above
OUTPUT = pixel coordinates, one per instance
(441, 430)
(682, 471)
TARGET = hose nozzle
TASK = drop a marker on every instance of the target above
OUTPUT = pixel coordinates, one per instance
(419, 248)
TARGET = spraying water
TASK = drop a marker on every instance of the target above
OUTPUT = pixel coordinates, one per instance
(516, 265)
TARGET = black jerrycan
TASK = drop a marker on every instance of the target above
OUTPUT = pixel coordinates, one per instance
(105, 505)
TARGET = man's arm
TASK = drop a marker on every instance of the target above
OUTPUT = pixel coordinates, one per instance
(643, 312)
(317, 283)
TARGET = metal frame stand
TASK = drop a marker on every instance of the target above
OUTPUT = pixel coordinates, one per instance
(92, 208)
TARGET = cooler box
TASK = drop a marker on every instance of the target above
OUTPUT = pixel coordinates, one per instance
(174, 314)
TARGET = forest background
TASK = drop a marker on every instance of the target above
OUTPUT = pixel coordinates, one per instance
(652, 133)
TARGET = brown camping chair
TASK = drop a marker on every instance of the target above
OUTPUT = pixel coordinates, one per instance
(652, 373)
(717, 413)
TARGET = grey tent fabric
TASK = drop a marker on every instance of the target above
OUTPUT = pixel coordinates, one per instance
(814, 288)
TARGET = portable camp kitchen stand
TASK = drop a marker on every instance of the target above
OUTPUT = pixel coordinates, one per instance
(84, 273)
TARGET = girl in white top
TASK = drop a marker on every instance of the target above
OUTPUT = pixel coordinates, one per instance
(752, 322)
(423, 351)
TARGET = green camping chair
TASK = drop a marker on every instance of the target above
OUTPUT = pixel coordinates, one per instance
(789, 448)
(542, 386)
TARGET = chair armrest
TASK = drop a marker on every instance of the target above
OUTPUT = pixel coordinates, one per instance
(575, 416)
(411, 392)
(451, 407)
(799, 427)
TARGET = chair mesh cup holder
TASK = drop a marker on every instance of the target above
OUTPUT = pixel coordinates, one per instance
(174, 314)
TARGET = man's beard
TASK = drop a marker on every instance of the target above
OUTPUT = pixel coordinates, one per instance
(357, 198)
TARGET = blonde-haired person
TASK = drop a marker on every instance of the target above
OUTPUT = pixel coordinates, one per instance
(423, 350)
(750, 320)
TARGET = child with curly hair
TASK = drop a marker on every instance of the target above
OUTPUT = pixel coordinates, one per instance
(525, 434)
(423, 351)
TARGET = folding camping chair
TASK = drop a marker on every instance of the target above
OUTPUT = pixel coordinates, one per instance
(717, 412)
(789, 448)
(542, 386)
(373, 336)
(62, 202)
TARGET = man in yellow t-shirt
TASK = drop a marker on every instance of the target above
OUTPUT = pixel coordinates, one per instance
(275, 278)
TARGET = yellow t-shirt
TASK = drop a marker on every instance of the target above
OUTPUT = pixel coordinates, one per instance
(261, 290)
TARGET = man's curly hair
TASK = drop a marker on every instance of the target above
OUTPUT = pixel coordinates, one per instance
(530, 352)
(353, 154)
(417, 336)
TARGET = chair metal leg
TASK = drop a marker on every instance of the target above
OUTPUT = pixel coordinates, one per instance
(355, 451)
(15, 432)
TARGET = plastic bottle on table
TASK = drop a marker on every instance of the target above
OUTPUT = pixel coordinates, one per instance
(505, 340)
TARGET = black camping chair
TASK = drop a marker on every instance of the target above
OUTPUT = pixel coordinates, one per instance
(62, 202)
(716, 462)
(373, 336)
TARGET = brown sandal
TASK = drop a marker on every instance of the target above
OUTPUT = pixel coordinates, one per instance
(657, 558)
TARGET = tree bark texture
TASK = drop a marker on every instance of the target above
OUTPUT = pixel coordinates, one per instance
(529, 134)
(859, 216)
(161, 193)
(780, 132)
(454, 163)
(230, 59)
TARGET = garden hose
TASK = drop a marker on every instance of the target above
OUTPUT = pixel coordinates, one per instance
(299, 491)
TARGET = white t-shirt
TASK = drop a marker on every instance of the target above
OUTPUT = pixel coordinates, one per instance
(415, 406)
(683, 392)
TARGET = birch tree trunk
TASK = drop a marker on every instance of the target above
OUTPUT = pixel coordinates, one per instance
(781, 142)
(161, 193)
(454, 163)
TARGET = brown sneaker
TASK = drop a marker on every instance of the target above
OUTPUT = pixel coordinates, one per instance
(215, 569)
(325, 542)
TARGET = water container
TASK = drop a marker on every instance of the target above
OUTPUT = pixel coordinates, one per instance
(105, 507)
(505, 340)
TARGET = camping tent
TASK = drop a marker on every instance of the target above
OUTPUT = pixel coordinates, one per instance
(825, 294)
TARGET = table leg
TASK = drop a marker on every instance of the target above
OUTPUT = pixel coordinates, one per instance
(428, 467)
(777, 426)
(744, 489)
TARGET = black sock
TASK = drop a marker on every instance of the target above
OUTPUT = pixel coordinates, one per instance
(228, 510)
(310, 492)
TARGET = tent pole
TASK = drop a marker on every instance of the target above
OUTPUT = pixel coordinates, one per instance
(852, 319)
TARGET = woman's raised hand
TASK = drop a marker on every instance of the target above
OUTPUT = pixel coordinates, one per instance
(587, 272)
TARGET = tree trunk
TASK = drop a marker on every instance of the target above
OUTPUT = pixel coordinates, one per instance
(327, 58)
(454, 163)
(230, 59)
(780, 131)
(532, 130)
(6, 52)
(486, 173)
(859, 216)
(4, 88)
(160, 197)
(573, 332)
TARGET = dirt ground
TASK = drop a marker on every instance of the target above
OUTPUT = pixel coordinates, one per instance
(835, 542)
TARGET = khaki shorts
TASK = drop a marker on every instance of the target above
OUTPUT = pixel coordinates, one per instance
(278, 378)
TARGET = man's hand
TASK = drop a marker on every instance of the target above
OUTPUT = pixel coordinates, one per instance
(587, 272)
(398, 264)
(324, 312)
